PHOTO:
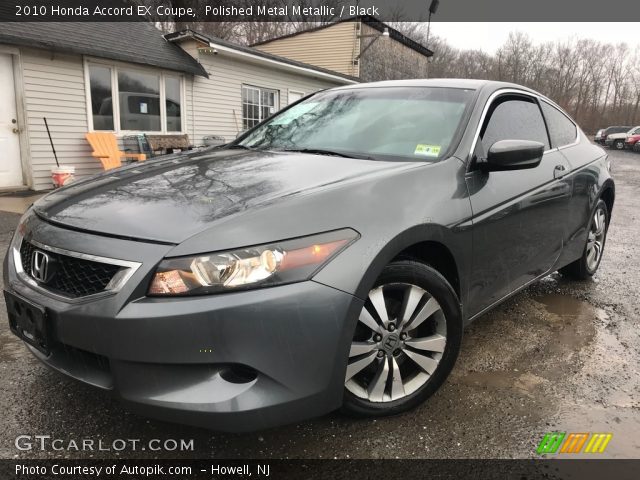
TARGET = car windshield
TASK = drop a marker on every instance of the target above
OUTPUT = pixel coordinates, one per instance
(390, 123)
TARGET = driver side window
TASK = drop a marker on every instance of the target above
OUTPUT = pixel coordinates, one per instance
(514, 118)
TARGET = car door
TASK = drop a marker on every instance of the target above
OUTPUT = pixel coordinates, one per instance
(518, 215)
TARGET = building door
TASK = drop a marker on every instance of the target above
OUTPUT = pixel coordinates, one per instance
(10, 165)
(294, 96)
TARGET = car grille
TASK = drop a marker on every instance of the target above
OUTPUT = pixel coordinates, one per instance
(73, 277)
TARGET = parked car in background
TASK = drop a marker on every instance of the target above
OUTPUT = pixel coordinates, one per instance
(329, 257)
(612, 130)
(632, 141)
(598, 136)
(616, 139)
(636, 147)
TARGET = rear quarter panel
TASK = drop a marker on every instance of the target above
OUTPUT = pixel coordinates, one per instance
(590, 176)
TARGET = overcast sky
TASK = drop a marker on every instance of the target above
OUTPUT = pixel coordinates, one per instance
(490, 36)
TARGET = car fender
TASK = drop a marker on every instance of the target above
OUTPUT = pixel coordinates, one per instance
(456, 240)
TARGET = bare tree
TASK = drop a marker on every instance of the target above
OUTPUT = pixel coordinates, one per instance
(598, 83)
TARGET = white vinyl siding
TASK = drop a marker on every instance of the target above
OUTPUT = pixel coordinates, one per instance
(54, 87)
(334, 47)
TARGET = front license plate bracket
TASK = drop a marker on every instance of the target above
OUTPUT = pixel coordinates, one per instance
(28, 321)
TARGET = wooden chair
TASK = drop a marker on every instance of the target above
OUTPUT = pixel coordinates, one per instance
(105, 148)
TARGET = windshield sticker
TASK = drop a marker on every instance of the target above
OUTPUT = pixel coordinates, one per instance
(427, 150)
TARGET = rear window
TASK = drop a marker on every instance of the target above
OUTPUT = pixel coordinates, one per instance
(561, 129)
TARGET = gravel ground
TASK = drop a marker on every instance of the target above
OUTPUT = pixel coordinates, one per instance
(558, 356)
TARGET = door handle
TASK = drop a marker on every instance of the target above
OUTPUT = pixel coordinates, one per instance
(559, 171)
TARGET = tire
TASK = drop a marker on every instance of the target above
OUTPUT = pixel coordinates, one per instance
(586, 266)
(419, 353)
(618, 144)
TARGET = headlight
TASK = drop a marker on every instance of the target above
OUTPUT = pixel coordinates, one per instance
(265, 265)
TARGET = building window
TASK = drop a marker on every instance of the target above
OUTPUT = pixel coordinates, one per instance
(101, 97)
(257, 105)
(139, 101)
(147, 101)
(173, 101)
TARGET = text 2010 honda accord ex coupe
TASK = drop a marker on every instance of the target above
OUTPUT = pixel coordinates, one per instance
(327, 258)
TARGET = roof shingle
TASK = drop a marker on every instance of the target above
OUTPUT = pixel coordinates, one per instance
(135, 42)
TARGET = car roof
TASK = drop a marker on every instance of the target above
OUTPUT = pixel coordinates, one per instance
(466, 83)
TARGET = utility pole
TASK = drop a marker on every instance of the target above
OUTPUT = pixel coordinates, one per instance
(433, 8)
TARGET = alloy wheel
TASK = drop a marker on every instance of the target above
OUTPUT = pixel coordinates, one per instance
(399, 341)
(595, 240)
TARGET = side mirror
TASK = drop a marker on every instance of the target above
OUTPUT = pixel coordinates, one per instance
(512, 155)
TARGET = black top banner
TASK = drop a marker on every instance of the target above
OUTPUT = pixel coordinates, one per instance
(318, 10)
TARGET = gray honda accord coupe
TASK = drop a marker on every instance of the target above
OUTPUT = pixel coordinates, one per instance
(327, 258)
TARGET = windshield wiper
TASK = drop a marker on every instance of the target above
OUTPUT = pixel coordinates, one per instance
(322, 151)
(237, 146)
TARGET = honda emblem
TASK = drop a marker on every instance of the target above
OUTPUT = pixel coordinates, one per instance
(40, 266)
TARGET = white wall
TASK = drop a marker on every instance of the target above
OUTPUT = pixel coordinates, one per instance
(54, 88)
(333, 47)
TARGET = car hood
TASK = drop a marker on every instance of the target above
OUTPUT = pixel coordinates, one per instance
(172, 198)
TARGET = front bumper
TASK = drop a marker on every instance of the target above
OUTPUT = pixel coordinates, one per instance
(234, 362)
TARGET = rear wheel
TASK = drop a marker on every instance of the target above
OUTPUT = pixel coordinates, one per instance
(405, 343)
(588, 263)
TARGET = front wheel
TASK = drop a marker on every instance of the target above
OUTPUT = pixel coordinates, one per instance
(619, 144)
(588, 263)
(406, 341)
